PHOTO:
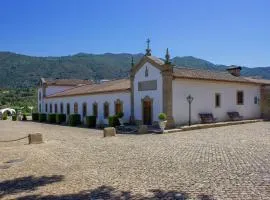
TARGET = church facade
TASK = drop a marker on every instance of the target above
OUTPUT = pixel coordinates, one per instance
(156, 86)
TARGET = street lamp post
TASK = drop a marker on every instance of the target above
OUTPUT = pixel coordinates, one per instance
(189, 99)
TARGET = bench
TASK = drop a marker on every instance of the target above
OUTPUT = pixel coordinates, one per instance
(207, 118)
(234, 116)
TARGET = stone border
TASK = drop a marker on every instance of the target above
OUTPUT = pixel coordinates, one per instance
(212, 125)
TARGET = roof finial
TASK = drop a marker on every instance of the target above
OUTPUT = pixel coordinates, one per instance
(148, 50)
(167, 57)
(132, 61)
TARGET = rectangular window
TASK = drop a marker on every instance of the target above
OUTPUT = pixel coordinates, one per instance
(46, 107)
(50, 108)
(217, 100)
(106, 110)
(256, 100)
(240, 98)
(147, 85)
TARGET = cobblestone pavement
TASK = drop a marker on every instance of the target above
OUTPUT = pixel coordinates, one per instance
(231, 162)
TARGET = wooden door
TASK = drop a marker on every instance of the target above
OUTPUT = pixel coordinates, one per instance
(147, 112)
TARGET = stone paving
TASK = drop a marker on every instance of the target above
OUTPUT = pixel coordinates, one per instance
(231, 162)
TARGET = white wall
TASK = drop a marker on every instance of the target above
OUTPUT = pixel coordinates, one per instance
(55, 89)
(204, 100)
(100, 99)
(153, 74)
(49, 91)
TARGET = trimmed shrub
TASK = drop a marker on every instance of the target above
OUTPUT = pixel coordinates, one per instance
(42, 117)
(35, 116)
(120, 115)
(113, 121)
(162, 116)
(91, 121)
(24, 118)
(4, 117)
(52, 118)
(14, 117)
(74, 120)
(60, 118)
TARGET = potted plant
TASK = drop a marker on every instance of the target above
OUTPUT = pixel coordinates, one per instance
(120, 115)
(162, 121)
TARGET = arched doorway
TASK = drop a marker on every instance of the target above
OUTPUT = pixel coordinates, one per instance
(147, 110)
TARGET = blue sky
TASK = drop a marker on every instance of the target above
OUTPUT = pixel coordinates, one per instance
(223, 32)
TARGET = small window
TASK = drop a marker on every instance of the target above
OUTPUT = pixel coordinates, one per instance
(39, 107)
(217, 100)
(95, 109)
(84, 109)
(46, 107)
(50, 108)
(75, 108)
(61, 108)
(240, 97)
(55, 108)
(256, 100)
(39, 95)
(146, 72)
(68, 108)
(106, 110)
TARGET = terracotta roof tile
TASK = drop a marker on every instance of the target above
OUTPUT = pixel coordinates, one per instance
(181, 72)
(106, 87)
(156, 59)
(260, 81)
(66, 82)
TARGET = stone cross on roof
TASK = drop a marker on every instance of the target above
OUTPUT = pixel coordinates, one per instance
(148, 50)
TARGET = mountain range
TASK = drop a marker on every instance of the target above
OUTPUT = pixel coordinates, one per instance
(22, 71)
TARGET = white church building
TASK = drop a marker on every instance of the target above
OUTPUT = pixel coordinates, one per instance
(156, 86)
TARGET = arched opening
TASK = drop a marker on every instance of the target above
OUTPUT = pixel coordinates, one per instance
(147, 110)
(84, 109)
(75, 108)
(95, 109)
(61, 108)
(68, 108)
(118, 106)
(106, 110)
(55, 108)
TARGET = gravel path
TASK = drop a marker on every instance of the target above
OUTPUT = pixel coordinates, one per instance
(230, 162)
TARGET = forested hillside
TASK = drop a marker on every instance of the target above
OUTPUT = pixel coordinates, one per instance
(20, 71)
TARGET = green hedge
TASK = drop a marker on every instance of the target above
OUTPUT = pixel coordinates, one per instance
(91, 121)
(35, 116)
(74, 119)
(60, 118)
(4, 117)
(52, 118)
(42, 117)
(14, 117)
(113, 121)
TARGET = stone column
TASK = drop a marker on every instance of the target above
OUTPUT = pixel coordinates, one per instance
(132, 117)
(265, 107)
(167, 74)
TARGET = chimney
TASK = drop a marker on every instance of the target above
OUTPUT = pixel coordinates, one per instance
(234, 70)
